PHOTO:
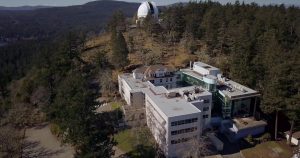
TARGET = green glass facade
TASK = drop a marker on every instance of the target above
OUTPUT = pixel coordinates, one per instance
(194, 81)
(223, 105)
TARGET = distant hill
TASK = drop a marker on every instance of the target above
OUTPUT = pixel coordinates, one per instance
(47, 22)
(23, 8)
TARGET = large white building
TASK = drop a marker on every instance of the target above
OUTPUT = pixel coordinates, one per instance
(175, 115)
(179, 105)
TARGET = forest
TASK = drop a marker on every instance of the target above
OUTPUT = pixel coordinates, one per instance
(255, 45)
(261, 43)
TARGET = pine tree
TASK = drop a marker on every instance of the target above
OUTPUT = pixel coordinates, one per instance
(119, 50)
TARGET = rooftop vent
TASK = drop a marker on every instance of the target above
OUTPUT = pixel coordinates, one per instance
(206, 67)
(171, 95)
(187, 98)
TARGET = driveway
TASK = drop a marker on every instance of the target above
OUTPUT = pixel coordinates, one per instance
(40, 143)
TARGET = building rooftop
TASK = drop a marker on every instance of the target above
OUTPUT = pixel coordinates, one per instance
(170, 106)
(206, 66)
(226, 86)
(134, 84)
(248, 122)
(196, 74)
(148, 71)
(235, 90)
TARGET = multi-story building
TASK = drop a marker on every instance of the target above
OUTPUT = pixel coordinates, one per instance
(174, 114)
(179, 105)
(234, 103)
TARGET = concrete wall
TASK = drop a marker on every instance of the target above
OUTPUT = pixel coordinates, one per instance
(205, 71)
(166, 82)
(180, 149)
(157, 122)
(138, 75)
(137, 99)
(201, 105)
(249, 131)
(124, 90)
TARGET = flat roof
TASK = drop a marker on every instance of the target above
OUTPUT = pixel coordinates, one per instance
(248, 122)
(134, 84)
(235, 90)
(206, 66)
(171, 107)
(228, 88)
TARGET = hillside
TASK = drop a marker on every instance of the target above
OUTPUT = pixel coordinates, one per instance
(63, 81)
(50, 22)
(23, 8)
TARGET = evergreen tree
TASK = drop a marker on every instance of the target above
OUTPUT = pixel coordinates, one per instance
(119, 50)
(73, 110)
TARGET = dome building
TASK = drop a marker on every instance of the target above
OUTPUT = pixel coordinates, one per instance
(145, 9)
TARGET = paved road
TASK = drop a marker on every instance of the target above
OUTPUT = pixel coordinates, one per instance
(40, 142)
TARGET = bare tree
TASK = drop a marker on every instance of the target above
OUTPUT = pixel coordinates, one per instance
(10, 142)
(199, 147)
(106, 83)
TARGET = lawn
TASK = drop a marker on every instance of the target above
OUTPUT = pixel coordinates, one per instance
(125, 140)
(135, 142)
(268, 150)
(115, 105)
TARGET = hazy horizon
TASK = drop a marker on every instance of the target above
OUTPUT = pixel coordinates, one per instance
(18, 3)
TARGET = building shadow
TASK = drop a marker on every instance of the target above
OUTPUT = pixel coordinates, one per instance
(142, 151)
(32, 149)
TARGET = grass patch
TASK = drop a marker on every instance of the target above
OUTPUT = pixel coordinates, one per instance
(125, 140)
(135, 141)
(268, 150)
(115, 105)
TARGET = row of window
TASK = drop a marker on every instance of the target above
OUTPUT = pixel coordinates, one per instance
(187, 130)
(181, 122)
(161, 80)
(180, 140)
(171, 79)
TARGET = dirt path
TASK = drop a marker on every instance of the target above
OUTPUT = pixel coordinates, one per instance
(118, 152)
(40, 142)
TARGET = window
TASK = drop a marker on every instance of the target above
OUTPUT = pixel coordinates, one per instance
(205, 108)
(180, 140)
(160, 80)
(152, 81)
(181, 122)
(206, 100)
(188, 121)
(166, 79)
(171, 79)
(205, 116)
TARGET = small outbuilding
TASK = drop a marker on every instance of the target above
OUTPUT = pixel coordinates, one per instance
(295, 137)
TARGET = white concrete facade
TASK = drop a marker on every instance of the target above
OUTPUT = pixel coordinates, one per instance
(205, 69)
(175, 116)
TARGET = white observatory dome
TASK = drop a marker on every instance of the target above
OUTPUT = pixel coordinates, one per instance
(147, 8)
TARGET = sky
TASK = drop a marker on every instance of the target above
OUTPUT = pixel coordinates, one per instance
(16, 3)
